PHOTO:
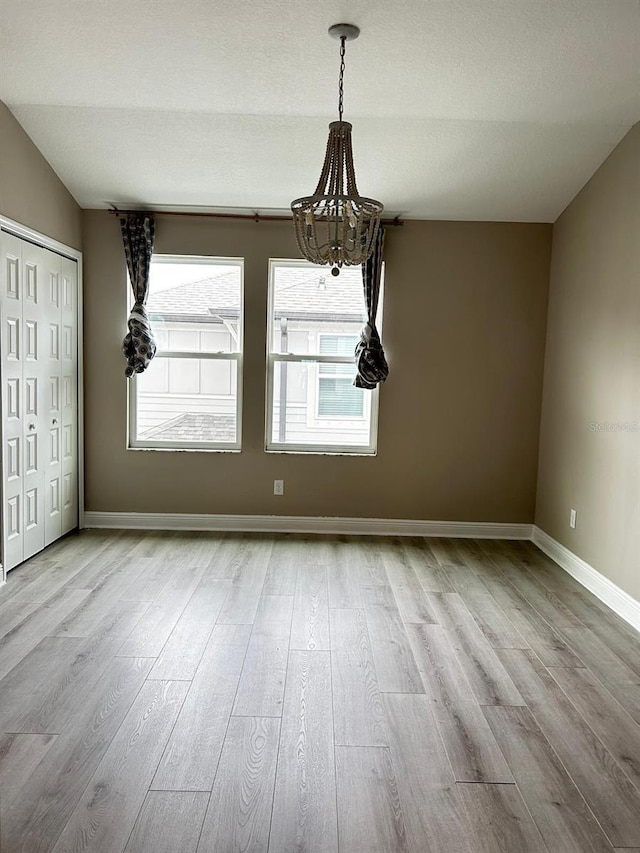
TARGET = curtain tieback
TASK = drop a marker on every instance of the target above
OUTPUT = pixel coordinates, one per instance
(139, 346)
(371, 363)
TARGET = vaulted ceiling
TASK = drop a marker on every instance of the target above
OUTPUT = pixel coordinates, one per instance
(462, 109)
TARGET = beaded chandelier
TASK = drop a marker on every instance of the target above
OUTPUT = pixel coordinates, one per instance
(336, 225)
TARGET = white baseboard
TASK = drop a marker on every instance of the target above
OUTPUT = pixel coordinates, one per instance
(306, 524)
(617, 599)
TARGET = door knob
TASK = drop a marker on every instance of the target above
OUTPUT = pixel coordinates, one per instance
(32, 426)
(54, 421)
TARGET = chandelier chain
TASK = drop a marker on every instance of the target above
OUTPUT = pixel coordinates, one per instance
(343, 41)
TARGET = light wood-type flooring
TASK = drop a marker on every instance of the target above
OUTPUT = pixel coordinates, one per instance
(196, 692)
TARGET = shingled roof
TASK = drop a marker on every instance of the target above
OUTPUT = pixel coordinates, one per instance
(204, 301)
(299, 294)
(195, 426)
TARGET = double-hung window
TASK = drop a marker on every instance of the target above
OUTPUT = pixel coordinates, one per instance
(314, 324)
(190, 395)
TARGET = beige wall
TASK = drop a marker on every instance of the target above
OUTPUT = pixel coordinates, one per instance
(465, 316)
(592, 373)
(30, 191)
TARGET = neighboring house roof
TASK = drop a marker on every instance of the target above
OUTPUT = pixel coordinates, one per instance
(300, 294)
(195, 427)
(204, 301)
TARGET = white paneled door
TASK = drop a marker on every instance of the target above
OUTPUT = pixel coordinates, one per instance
(39, 397)
(12, 402)
(68, 422)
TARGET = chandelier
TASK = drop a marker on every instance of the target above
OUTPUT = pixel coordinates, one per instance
(336, 225)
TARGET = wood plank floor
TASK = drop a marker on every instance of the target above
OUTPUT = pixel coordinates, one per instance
(200, 693)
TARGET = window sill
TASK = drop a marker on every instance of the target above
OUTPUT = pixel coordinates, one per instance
(188, 449)
(299, 451)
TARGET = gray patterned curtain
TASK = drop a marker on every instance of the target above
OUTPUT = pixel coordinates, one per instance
(371, 364)
(139, 347)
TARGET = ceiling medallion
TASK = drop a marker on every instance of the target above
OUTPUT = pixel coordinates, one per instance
(336, 225)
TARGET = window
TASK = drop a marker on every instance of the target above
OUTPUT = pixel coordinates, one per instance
(190, 395)
(314, 325)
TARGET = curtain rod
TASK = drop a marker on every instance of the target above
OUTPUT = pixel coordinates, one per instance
(256, 217)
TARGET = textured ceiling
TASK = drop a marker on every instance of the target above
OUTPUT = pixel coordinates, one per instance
(462, 109)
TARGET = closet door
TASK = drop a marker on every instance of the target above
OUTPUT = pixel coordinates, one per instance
(39, 301)
(12, 399)
(69, 394)
(53, 408)
(36, 341)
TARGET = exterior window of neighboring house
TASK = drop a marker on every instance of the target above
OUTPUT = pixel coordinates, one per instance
(189, 398)
(335, 381)
(314, 325)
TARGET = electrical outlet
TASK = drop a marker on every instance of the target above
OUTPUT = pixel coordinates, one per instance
(278, 487)
(572, 519)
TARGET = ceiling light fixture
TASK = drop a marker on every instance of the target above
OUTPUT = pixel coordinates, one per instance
(336, 225)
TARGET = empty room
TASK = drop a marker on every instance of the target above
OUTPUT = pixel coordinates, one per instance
(320, 422)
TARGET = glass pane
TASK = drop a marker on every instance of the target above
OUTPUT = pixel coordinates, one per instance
(185, 400)
(309, 303)
(338, 344)
(338, 398)
(312, 407)
(195, 307)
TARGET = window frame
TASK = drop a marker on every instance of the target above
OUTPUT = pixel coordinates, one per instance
(135, 443)
(273, 358)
